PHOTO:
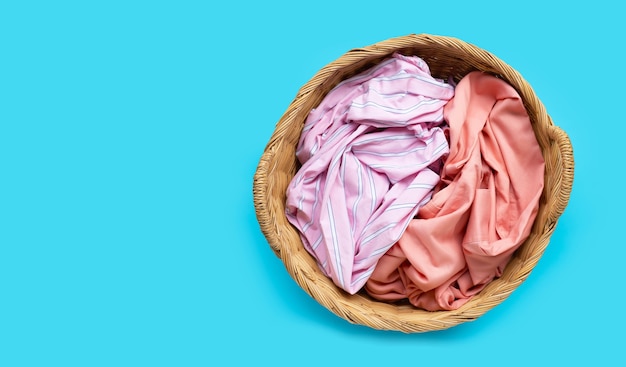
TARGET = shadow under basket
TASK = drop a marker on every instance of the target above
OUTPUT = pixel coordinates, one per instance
(446, 57)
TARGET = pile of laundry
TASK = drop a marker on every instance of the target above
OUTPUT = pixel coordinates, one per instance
(415, 188)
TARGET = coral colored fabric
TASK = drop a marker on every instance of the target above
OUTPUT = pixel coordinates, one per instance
(371, 155)
(482, 210)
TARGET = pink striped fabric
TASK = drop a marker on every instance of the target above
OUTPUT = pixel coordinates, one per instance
(371, 153)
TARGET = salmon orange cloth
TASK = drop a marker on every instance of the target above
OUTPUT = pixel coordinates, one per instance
(482, 210)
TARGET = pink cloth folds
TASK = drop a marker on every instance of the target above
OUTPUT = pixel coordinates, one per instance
(482, 210)
(371, 154)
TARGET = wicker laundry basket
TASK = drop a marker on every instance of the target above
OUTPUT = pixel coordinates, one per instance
(446, 57)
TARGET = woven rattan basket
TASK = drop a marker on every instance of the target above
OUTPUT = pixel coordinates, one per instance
(446, 57)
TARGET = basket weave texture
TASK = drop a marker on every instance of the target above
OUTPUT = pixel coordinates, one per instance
(446, 57)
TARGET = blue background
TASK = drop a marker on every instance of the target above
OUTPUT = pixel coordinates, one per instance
(129, 136)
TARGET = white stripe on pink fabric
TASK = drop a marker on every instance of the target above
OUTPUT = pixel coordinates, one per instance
(367, 154)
